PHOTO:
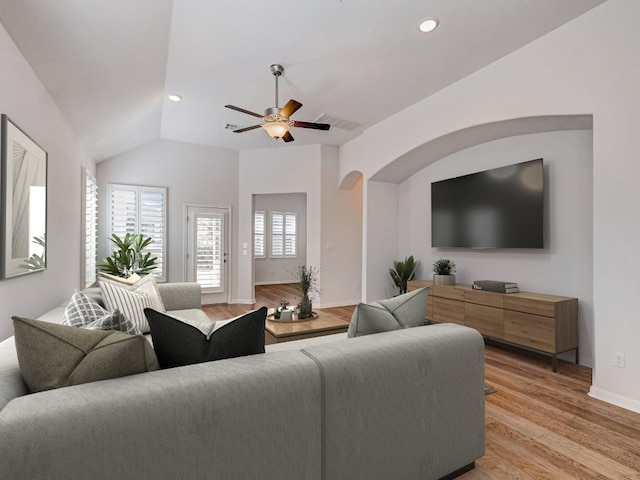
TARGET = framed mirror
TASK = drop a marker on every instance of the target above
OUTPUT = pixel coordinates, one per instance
(23, 176)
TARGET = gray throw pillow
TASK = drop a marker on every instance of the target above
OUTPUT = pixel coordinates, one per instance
(53, 356)
(403, 311)
(85, 312)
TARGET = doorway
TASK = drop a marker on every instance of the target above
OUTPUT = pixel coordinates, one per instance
(207, 255)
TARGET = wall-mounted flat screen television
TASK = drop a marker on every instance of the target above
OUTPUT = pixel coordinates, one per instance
(498, 208)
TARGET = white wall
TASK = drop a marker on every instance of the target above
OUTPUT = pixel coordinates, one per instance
(341, 236)
(24, 99)
(564, 266)
(289, 169)
(193, 174)
(382, 238)
(262, 172)
(588, 66)
(281, 270)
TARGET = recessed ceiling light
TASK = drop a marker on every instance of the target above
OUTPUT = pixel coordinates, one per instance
(428, 24)
(174, 98)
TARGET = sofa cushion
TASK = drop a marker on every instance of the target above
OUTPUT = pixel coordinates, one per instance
(52, 356)
(84, 312)
(132, 303)
(180, 341)
(403, 311)
(132, 283)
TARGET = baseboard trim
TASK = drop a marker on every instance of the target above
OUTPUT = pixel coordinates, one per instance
(337, 304)
(614, 399)
(279, 282)
(242, 301)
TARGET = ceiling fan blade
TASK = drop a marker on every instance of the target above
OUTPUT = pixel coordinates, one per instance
(290, 108)
(246, 129)
(316, 126)
(287, 137)
(242, 110)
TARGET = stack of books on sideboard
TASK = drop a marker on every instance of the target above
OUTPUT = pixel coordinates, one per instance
(496, 286)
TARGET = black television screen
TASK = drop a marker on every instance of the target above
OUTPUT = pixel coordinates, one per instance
(498, 208)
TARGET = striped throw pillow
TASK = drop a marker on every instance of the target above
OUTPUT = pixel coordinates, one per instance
(132, 304)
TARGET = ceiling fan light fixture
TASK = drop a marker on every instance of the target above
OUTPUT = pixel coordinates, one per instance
(428, 24)
(276, 129)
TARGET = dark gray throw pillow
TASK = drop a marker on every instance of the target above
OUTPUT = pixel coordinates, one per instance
(180, 342)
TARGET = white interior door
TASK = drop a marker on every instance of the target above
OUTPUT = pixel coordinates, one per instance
(207, 255)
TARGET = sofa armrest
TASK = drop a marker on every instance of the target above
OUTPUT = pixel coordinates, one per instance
(180, 296)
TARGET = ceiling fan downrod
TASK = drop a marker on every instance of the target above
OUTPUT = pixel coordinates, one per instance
(277, 70)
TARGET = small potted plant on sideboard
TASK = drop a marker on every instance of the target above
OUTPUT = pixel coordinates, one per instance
(443, 272)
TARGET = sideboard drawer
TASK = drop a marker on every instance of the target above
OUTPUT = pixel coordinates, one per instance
(492, 299)
(533, 331)
(521, 303)
(446, 310)
(446, 291)
(488, 321)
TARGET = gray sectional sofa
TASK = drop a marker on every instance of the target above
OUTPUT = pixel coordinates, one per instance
(406, 404)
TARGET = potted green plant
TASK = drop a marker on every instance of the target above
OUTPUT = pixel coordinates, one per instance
(308, 281)
(443, 272)
(128, 256)
(402, 272)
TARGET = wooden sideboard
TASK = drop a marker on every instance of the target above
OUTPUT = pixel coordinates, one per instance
(539, 322)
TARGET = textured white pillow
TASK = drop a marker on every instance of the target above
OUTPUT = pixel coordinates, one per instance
(132, 303)
(130, 280)
(83, 312)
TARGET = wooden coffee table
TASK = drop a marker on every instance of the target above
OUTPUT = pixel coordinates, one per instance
(325, 324)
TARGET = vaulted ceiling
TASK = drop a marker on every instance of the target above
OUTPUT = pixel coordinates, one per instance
(109, 65)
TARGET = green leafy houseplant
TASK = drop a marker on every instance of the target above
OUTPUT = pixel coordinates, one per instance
(402, 272)
(443, 272)
(444, 266)
(308, 280)
(128, 256)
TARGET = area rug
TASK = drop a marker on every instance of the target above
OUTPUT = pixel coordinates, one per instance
(488, 389)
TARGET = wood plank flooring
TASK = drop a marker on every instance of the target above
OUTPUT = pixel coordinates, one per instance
(539, 424)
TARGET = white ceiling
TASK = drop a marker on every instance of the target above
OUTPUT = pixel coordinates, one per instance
(110, 64)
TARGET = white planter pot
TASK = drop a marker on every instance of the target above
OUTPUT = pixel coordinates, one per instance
(444, 279)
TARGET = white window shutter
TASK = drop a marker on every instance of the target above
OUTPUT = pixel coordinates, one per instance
(258, 234)
(90, 229)
(283, 234)
(137, 209)
(209, 255)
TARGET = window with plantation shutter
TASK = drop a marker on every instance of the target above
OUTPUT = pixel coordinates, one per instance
(90, 228)
(209, 254)
(136, 209)
(258, 234)
(283, 234)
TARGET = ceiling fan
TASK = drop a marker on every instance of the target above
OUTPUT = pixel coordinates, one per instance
(277, 121)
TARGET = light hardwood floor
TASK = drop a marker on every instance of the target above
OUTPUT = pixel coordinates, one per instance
(539, 424)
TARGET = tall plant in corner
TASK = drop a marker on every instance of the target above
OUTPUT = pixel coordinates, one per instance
(308, 281)
(402, 272)
(128, 256)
